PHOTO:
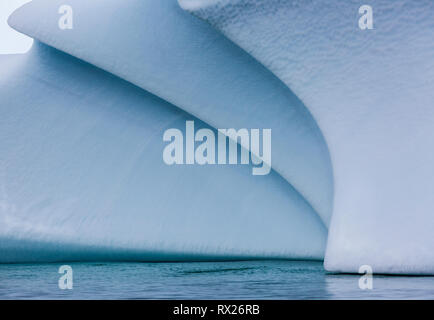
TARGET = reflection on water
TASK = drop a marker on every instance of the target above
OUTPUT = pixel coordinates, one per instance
(204, 280)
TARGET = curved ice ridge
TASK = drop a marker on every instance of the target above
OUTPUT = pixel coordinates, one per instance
(81, 173)
(82, 178)
(184, 61)
(372, 94)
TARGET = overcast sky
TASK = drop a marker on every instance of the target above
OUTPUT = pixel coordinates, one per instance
(10, 40)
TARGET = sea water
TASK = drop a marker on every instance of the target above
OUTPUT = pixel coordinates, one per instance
(203, 280)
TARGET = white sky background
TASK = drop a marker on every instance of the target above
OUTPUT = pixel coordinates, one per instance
(10, 40)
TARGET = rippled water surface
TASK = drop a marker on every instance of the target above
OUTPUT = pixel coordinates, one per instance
(203, 280)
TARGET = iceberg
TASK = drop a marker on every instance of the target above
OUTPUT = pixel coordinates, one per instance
(83, 116)
(372, 95)
(81, 169)
(181, 59)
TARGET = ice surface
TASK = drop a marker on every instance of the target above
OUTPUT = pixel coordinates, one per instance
(81, 169)
(82, 177)
(159, 47)
(10, 40)
(372, 94)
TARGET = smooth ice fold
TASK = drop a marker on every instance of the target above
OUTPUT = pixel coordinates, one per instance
(82, 177)
(157, 46)
(372, 94)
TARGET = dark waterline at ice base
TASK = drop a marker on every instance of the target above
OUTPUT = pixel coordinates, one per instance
(203, 280)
